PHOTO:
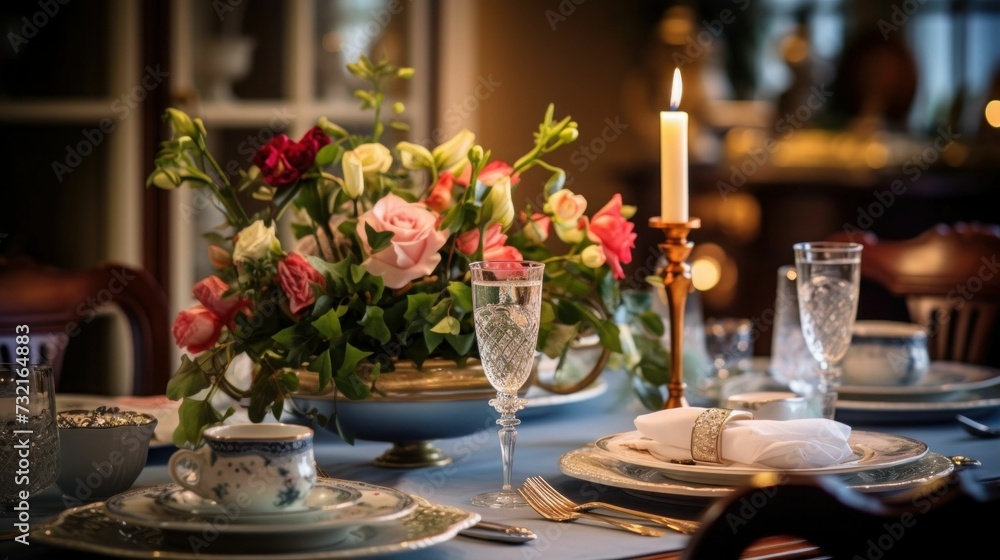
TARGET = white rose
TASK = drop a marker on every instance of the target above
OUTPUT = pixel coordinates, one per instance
(354, 174)
(453, 154)
(374, 157)
(255, 242)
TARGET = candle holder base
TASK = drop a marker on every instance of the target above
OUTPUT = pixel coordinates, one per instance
(677, 284)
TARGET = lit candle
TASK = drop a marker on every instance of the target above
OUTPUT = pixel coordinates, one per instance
(674, 158)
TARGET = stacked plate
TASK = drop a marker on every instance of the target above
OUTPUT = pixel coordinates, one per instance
(882, 463)
(949, 388)
(341, 519)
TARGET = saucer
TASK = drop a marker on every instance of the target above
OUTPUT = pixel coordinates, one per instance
(328, 495)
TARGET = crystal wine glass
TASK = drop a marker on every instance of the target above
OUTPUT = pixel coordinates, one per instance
(507, 305)
(829, 276)
(29, 442)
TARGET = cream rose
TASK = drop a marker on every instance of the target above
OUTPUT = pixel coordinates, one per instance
(413, 249)
(375, 158)
(566, 207)
(255, 242)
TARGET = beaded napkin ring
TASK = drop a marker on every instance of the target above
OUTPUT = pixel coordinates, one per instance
(706, 434)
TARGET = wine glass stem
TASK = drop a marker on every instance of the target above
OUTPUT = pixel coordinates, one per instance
(829, 380)
(507, 404)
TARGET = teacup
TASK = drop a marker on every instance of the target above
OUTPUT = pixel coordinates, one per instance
(772, 405)
(254, 467)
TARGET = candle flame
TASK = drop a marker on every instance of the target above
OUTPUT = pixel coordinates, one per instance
(676, 90)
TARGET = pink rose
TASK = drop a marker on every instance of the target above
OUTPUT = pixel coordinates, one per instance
(491, 173)
(209, 292)
(413, 251)
(609, 228)
(282, 160)
(440, 197)
(297, 277)
(196, 329)
(493, 247)
(537, 228)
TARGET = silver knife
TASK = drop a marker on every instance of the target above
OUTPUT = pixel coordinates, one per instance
(498, 532)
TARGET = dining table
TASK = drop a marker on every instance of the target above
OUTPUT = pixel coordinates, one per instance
(543, 438)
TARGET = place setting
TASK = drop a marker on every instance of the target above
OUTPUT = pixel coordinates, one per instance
(253, 489)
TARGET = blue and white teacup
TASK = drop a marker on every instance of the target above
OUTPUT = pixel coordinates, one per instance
(252, 467)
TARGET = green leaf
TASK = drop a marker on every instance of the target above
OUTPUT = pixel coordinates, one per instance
(216, 238)
(652, 322)
(432, 339)
(193, 417)
(462, 343)
(352, 357)
(453, 219)
(323, 366)
(461, 296)
(290, 337)
(418, 306)
(327, 154)
(188, 380)
(373, 324)
(448, 325)
(556, 338)
(329, 325)
(302, 230)
(357, 273)
(378, 240)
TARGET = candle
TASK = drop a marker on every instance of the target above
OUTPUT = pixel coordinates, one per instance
(674, 158)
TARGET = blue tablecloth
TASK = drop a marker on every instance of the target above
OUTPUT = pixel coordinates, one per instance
(542, 439)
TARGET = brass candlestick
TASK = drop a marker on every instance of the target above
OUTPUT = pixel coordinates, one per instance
(677, 283)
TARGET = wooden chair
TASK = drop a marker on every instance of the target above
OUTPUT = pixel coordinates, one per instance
(950, 279)
(823, 518)
(57, 304)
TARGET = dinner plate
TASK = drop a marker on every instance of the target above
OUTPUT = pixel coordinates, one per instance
(378, 504)
(975, 404)
(158, 406)
(942, 378)
(329, 494)
(89, 528)
(593, 465)
(872, 450)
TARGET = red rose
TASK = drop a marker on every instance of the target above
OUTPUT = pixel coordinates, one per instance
(297, 277)
(491, 173)
(493, 247)
(609, 228)
(196, 329)
(282, 160)
(209, 292)
(440, 197)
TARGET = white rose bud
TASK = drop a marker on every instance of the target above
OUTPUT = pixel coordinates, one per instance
(499, 205)
(593, 256)
(354, 176)
(566, 207)
(414, 156)
(181, 123)
(568, 233)
(452, 154)
(256, 242)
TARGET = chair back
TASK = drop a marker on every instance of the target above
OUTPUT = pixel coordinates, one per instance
(950, 279)
(56, 304)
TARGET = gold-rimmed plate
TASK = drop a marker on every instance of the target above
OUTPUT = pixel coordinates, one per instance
(872, 450)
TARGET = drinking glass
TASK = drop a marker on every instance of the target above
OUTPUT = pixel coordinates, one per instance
(29, 441)
(829, 277)
(507, 306)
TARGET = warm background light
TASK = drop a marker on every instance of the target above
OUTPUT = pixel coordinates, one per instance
(993, 113)
(705, 273)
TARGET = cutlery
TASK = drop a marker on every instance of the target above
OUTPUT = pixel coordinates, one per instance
(963, 462)
(489, 531)
(977, 428)
(556, 512)
(540, 485)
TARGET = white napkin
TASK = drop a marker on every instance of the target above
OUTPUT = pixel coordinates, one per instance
(780, 444)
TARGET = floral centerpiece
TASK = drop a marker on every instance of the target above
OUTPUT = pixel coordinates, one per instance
(379, 270)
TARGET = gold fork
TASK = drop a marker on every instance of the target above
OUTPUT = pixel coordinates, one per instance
(556, 512)
(540, 486)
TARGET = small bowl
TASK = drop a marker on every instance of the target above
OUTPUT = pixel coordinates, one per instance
(886, 353)
(102, 459)
(771, 405)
